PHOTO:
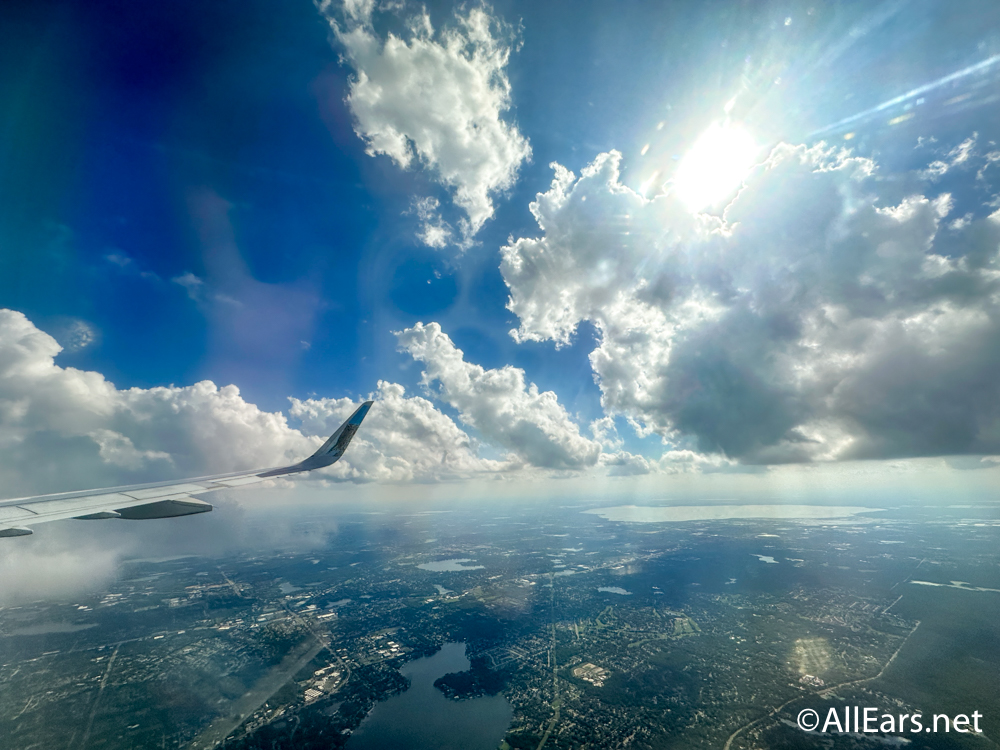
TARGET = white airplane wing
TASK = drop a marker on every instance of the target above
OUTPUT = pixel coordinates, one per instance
(160, 499)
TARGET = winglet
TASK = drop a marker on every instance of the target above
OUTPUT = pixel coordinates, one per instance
(337, 443)
(331, 451)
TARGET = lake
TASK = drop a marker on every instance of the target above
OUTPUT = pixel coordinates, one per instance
(423, 718)
(614, 590)
(682, 513)
(447, 566)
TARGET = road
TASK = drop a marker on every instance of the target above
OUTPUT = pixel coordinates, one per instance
(823, 693)
(556, 702)
(257, 696)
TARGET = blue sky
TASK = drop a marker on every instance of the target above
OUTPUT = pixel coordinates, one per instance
(274, 194)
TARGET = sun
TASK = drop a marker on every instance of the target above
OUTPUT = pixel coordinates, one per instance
(715, 166)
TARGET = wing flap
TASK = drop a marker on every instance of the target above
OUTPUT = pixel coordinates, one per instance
(58, 510)
(238, 481)
(164, 492)
(13, 515)
(76, 505)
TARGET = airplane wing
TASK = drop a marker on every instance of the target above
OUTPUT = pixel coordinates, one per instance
(160, 499)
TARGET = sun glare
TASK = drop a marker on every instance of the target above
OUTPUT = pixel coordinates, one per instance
(715, 166)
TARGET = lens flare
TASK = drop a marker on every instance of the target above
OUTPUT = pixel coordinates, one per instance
(715, 166)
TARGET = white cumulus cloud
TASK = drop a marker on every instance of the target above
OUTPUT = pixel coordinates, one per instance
(404, 439)
(63, 429)
(437, 98)
(499, 403)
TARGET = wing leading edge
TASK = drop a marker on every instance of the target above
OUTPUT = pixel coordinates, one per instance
(160, 499)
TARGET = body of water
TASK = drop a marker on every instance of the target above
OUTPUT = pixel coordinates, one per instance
(423, 718)
(447, 566)
(614, 590)
(681, 513)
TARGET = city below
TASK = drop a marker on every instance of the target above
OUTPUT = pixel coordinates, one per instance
(528, 628)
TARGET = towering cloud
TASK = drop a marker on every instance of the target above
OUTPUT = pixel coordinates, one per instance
(809, 323)
(437, 99)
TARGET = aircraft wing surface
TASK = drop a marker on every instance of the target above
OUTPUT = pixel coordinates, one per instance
(160, 499)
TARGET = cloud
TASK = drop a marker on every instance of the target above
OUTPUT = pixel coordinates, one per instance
(958, 156)
(499, 404)
(51, 571)
(435, 98)
(73, 429)
(115, 448)
(434, 231)
(128, 266)
(62, 561)
(616, 249)
(62, 428)
(74, 334)
(808, 323)
(194, 286)
(688, 462)
(624, 464)
(404, 439)
(200, 292)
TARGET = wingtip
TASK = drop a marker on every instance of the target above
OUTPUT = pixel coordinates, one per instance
(360, 414)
